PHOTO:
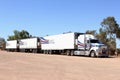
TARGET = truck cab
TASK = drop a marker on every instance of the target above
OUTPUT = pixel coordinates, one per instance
(97, 48)
(88, 45)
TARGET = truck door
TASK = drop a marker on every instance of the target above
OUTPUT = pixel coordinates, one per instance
(88, 45)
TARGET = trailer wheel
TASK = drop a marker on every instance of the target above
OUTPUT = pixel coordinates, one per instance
(72, 53)
(92, 54)
(35, 51)
(44, 52)
(50, 52)
(68, 53)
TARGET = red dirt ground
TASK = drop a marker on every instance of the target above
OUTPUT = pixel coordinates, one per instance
(25, 66)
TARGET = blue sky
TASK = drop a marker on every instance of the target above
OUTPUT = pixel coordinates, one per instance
(49, 17)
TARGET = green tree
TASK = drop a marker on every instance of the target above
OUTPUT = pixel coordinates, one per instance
(102, 36)
(19, 35)
(110, 25)
(118, 33)
(111, 30)
(24, 34)
(2, 43)
(93, 32)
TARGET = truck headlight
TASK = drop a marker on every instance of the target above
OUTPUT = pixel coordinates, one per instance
(99, 51)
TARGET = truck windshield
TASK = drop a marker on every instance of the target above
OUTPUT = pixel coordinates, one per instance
(94, 41)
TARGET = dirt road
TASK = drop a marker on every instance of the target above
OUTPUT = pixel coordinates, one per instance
(24, 66)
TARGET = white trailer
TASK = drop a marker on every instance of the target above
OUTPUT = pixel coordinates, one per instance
(12, 45)
(58, 42)
(73, 44)
(29, 45)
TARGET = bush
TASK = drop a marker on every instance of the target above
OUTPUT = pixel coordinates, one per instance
(118, 50)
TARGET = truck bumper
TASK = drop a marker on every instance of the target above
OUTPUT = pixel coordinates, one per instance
(100, 53)
(103, 55)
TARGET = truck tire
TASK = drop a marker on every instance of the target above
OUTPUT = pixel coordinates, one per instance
(35, 51)
(50, 51)
(68, 53)
(72, 53)
(93, 54)
(44, 52)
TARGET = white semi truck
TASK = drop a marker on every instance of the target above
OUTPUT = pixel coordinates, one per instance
(69, 43)
(73, 44)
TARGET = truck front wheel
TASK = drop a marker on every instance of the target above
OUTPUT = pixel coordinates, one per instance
(93, 54)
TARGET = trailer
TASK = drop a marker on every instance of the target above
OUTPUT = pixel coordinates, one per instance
(29, 45)
(73, 44)
(12, 45)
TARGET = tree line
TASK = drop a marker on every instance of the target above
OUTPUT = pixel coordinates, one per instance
(19, 35)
